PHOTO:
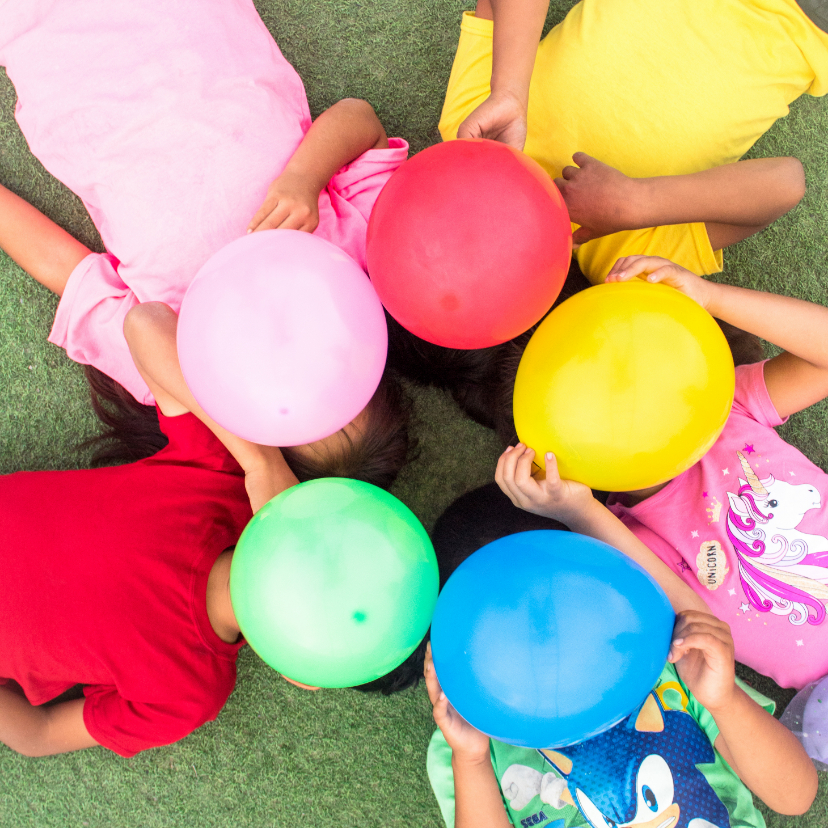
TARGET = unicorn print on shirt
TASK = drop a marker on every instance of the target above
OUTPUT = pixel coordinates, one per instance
(782, 570)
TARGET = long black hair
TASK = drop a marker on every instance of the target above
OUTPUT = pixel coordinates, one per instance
(131, 432)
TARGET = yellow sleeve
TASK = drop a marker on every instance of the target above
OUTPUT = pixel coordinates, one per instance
(471, 74)
(685, 244)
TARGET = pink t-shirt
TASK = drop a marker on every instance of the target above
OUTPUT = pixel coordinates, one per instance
(169, 120)
(747, 529)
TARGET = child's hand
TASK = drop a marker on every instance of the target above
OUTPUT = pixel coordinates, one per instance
(655, 269)
(703, 652)
(545, 495)
(291, 204)
(501, 117)
(599, 198)
(466, 742)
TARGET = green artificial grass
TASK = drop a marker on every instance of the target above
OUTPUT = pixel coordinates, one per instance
(278, 756)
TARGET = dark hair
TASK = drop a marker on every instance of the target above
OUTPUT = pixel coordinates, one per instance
(132, 433)
(482, 382)
(473, 377)
(384, 447)
(473, 520)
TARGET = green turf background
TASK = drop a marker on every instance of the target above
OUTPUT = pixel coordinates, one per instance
(278, 756)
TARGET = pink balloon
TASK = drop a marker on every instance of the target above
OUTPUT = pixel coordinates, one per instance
(281, 338)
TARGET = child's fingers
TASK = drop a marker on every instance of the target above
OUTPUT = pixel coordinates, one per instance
(716, 652)
(582, 159)
(514, 475)
(261, 214)
(618, 272)
(523, 471)
(431, 680)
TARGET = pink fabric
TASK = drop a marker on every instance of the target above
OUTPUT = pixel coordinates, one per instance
(169, 120)
(760, 560)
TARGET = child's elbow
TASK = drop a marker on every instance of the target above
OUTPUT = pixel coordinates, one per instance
(145, 318)
(799, 800)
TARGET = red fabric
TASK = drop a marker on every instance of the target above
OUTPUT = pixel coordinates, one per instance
(104, 584)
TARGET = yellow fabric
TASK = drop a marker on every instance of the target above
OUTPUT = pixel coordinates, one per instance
(653, 87)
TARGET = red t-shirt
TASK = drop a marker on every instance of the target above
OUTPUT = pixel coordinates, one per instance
(104, 579)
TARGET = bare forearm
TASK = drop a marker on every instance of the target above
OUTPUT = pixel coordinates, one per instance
(766, 756)
(517, 30)
(751, 193)
(150, 330)
(477, 799)
(44, 250)
(795, 325)
(338, 136)
(599, 523)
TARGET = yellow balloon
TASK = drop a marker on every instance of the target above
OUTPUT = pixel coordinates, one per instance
(629, 384)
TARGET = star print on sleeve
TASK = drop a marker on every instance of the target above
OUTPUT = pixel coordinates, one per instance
(683, 567)
(731, 591)
(744, 607)
(694, 533)
(800, 642)
(748, 449)
(704, 494)
(793, 474)
(725, 472)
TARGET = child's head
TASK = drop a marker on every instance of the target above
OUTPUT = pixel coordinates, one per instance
(373, 448)
(473, 520)
(482, 381)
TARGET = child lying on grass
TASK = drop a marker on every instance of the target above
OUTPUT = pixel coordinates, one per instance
(671, 93)
(118, 578)
(689, 757)
(181, 126)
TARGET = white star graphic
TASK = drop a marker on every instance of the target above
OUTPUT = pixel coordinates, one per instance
(731, 592)
(694, 534)
(793, 474)
(725, 471)
(744, 607)
(800, 642)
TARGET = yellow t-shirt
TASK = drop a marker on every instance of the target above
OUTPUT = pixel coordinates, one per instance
(652, 87)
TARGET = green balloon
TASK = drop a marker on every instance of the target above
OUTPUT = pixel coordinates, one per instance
(334, 582)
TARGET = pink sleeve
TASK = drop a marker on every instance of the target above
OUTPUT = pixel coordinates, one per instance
(127, 727)
(752, 398)
(89, 323)
(360, 182)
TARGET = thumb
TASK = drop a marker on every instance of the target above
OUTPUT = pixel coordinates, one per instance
(582, 235)
(553, 476)
(470, 129)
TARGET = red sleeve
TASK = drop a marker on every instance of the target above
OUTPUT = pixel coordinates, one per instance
(128, 727)
(751, 397)
(193, 444)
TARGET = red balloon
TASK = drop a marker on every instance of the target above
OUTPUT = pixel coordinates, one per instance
(469, 243)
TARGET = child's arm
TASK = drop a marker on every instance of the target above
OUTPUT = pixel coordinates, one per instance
(573, 504)
(734, 201)
(42, 731)
(517, 29)
(150, 330)
(796, 378)
(338, 136)
(767, 757)
(477, 799)
(44, 250)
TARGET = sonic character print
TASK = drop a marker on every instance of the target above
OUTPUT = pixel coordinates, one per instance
(642, 772)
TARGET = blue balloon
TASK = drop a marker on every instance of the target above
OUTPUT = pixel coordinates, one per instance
(543, 639)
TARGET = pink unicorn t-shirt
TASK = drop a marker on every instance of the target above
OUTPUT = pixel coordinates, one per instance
(747, 528)
(169, 120)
